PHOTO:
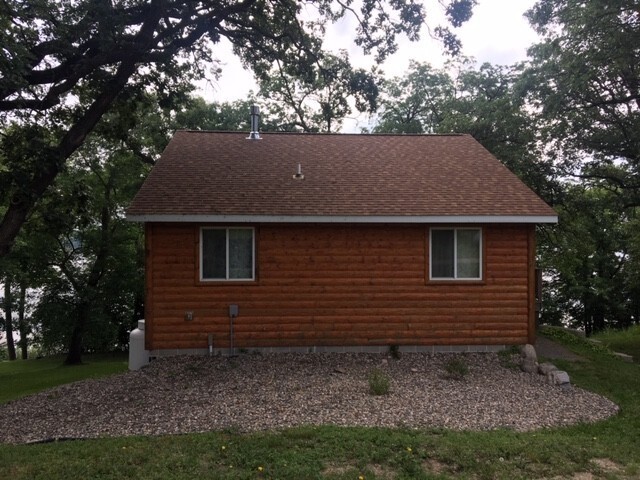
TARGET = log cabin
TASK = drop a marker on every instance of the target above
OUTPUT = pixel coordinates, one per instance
(336, 242)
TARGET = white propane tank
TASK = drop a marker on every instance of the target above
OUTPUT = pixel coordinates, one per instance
(138, 356)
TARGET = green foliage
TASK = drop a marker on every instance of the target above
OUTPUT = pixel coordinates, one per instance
(379, 382)
(197, 114)
(456, 368)
(585, 77)
(88, 258)
(417, 102)
(589, 268)
(583, 83)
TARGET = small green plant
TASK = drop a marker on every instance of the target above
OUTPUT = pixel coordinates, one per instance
(194, 368)
(509, 357)
(456, 368)
(378, 382)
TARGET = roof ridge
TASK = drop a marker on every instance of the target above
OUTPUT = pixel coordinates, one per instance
(380, 134)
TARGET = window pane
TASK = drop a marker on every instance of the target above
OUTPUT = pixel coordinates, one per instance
(240, 253)
(214, 253)
(468, 253)
(442, 253)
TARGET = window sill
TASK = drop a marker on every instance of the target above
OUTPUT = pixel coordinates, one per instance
(225, 283)
(456, 281)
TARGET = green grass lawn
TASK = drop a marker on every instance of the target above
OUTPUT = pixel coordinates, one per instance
(607, 449)
(625, 341)
(23, 377)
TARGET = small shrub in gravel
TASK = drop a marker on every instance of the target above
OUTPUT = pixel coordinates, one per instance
(378, 382)
(456, 368)
(510, 357)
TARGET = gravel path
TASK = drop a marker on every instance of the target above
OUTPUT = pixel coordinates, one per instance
(258, 392)
(549, 349)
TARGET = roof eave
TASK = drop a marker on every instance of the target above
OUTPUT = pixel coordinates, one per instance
(458, 219)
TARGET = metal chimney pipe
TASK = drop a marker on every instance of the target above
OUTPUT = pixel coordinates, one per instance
(255, 123)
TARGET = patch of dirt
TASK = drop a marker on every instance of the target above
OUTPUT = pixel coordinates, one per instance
(380, 471)
(607, 465)
(432, 465)
(576, 476)
(341, 469)
(582, 476)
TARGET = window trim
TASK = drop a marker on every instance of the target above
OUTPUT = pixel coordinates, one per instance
(227, 279)
(455, 277)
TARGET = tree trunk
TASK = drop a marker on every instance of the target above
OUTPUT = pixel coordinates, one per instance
(87, 294)
(598, 320)
(22, 325)
(74, 356)
(11, 347)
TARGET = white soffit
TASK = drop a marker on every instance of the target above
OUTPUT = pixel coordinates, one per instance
(458, 219)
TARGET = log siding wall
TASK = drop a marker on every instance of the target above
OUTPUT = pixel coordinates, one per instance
(335, 285)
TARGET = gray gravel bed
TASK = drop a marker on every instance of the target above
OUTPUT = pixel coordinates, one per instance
(263, 392)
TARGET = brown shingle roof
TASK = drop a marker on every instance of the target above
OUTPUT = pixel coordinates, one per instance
(218, 173)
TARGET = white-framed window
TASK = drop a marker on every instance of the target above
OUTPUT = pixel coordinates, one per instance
(455, 253)
(227, 253)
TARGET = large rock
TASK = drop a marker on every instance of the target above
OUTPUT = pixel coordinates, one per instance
(546, 368)
(528, 366)
(529, 360)
(528, 351)
(558, 377)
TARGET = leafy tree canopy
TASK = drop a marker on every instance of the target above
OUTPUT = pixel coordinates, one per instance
(585, 80)
(584, 86)
(63, 64)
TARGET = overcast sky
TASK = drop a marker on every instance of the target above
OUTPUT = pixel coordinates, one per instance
(497, 33)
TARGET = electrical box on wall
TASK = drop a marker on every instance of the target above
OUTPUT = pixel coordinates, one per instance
(233, 311)
(188, 316)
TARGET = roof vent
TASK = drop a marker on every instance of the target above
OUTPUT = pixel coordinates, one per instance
(298, 175)
(255, 123)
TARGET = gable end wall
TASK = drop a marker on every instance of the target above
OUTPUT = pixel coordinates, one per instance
(339, 285)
